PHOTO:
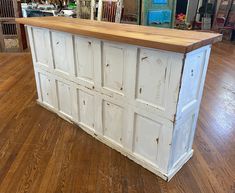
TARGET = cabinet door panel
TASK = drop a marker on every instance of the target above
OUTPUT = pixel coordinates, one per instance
(192, 76)
(84, 58)
(152, 77)
(113, 121)
(42, 47)
(86, 108)
(146, 138)
(64, 98)
(113, 67)
(62, 48)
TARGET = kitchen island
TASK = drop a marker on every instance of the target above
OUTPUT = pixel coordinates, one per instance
(137, 89)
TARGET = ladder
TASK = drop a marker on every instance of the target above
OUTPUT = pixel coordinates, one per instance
(231, 16)
(222, 15)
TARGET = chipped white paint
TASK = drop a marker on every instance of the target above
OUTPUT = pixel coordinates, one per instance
(142, 102)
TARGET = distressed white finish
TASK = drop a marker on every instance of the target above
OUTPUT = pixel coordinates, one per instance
(142, 102)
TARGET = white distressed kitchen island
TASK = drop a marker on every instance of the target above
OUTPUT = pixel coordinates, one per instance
(137, 89)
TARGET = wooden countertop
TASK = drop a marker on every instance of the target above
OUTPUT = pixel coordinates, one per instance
(159, 38)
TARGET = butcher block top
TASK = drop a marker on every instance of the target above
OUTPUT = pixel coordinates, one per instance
(152, 37)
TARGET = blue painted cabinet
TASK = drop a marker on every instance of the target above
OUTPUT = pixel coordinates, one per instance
(159, 13)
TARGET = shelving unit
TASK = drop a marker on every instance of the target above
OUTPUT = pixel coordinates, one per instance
(12, 35)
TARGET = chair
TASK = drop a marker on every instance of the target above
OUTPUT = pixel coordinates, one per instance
(110, 10)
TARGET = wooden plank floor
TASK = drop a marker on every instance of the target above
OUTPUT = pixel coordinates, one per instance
(41, 153)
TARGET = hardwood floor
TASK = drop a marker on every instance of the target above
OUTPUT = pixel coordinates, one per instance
(41, 153)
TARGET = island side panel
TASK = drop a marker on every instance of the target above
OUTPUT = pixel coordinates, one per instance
(193, 79)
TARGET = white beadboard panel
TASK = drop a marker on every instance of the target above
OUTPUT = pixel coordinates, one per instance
(62, 49)
(64, 97)
(113, 121)
(84, 54)
(86, 108)
(42, 47)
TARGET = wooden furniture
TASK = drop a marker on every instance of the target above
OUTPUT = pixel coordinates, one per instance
(158, 13)
(231, 15)
(137, 89)
(131, 12)
(12, 35)
(222, 14)
(110, 10)
(107, 10)
(229, 27)
(86, 9)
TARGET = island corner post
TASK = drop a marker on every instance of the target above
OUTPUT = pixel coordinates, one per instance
(137, 89)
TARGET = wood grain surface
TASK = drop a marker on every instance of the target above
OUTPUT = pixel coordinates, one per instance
(159, 38)
(41, 153)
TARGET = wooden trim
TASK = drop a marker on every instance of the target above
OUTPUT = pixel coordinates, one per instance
(10, 36)
(8, 19)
